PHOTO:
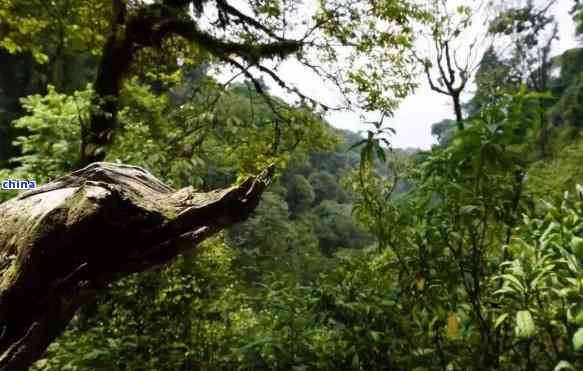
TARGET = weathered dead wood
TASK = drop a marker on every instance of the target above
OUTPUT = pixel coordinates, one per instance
(62, 241)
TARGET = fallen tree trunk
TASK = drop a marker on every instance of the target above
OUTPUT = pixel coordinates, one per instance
(61, 242)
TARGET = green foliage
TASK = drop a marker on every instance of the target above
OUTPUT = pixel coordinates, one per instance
(444, 131)
(300, 193)
(577, 12)
(189, 313)
(341, 323)
(326, 187)
(378, 69)
(53, 127)
(177, 144)
(548, 178)
(335, 228)
(445, 237)
(52, 28)
(302, 222)
(542, 277)
(568, 109)
(271, 242)
(493, 78)
(532, 29)
(53, 142)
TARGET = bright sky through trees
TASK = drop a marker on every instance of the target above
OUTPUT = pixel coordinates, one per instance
(417, 113)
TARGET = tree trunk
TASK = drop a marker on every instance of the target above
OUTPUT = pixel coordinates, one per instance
(116, 59)
(61, 242)
(457, 107)
(115, 62)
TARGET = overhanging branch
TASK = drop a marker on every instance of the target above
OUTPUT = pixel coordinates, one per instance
(62, 241)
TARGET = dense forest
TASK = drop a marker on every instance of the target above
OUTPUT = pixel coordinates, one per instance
(359, 256)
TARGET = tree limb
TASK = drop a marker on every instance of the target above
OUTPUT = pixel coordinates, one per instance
(61, 242)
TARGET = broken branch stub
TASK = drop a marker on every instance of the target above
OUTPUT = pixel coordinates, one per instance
(60, 242)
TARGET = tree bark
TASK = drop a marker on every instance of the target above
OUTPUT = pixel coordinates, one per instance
(457, 108)
(61, 242)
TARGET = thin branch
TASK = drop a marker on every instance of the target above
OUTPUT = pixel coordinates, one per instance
(450, 69)
(245, 19)
(258, 87)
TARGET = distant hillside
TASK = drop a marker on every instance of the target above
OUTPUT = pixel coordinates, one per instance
(305, 218)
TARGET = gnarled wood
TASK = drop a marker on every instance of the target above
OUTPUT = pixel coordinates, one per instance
(60, 242)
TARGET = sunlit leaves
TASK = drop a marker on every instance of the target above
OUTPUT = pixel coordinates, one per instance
(525, 327)
(578, 340)
(366, 45)
(52, 146)
(52, 27)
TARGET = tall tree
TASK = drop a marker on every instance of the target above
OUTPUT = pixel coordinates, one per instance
(532, 30)
(577, 12)
(492, 78)
(449, 61)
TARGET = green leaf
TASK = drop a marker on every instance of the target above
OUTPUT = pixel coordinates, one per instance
(563, 365)
(357, 144)
(543, 274)
(514, 282)
(525, 327)
(381, 154)
(500, 319)
(578, 339)
(468, 209)
(577, 247)
(575, 315)
(376, 336)
(355, 362)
